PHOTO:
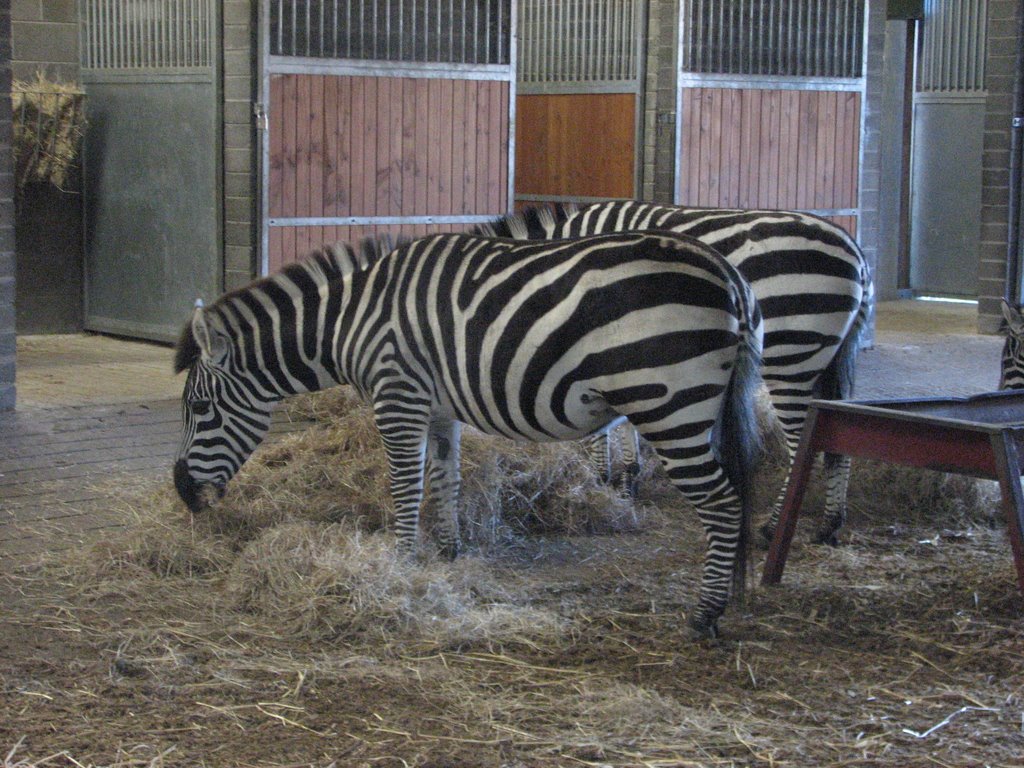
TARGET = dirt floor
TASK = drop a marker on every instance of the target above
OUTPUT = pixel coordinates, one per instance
(299, 639)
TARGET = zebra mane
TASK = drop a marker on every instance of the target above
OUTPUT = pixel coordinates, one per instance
(323, 265)
(534, 223)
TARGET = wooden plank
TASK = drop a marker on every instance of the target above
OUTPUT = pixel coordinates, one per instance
(422, 148)
(408, 146)
(343, 158)
(444, 147)
(689, 145)
(275, 124)
(301, 147)
(828, 161)
(455, 148)
(789, 157)
(482, 140)
(397, 181)
(289, 120)
(503, 205)
(329, 190)
(275, 249)
(316, 154)
(435, 131)
(382, 151)
(468, 145)
(495, 143)
(287, 248)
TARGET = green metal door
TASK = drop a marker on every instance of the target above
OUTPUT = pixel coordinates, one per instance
(152, 149)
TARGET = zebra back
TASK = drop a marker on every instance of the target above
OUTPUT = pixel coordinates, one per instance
(534, 223)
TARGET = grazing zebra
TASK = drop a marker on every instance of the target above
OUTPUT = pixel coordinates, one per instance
(536, 341)
(1011, 375)
(814, 289)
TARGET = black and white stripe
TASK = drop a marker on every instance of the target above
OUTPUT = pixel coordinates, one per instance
(535, 341)
(1011, 374)
(809, 277)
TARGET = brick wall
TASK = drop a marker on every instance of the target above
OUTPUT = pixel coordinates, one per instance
(45, 35)
(868, 235)
(7, 353)
(999, 81)
(659, 161)
(240, 143)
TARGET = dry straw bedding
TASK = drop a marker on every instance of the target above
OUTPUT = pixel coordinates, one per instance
(282, 629)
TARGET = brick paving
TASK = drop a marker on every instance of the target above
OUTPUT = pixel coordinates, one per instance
(95, 411)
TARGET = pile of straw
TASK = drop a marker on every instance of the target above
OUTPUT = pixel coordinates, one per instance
(49, 123)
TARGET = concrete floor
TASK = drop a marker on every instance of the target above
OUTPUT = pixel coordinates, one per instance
(94, 410)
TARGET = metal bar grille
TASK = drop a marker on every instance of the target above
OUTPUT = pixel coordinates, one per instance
(579, 41)
(146, 34)
(952, 47)
(429, 31)
(786, 38)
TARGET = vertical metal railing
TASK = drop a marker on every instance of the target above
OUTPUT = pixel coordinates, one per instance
(581, 41)
(953, 46)
(790, 38)
(429, 31)
(146, 34)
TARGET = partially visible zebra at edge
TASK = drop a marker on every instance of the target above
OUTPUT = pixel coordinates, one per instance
(1011, 373)
(814, 288)
(537, 341)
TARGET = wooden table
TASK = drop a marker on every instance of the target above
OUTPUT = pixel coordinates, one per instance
(980, 436)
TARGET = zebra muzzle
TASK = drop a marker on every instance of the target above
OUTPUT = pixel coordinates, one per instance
(195, 495)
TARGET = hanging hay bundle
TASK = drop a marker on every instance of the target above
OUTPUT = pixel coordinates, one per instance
(49, 122)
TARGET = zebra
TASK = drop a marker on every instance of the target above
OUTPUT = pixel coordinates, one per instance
(536, 341)
(814, 288)
(1011, 374)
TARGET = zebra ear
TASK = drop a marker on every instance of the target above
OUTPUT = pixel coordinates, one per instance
(213, 345)
(1014, 320)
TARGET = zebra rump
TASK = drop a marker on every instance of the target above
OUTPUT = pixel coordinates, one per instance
(813, 286)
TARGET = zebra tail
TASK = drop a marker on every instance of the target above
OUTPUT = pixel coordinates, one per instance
(737, 444)
(838, 378)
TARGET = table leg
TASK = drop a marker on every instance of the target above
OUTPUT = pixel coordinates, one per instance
(1008, 467)
(799, 474)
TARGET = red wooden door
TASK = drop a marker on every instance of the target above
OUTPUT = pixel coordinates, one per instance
(354, 156)
(771, 148)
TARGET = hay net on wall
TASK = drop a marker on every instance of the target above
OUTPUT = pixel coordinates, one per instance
(48, 122)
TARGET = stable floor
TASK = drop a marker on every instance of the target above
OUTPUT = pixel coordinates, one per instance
(97, 413)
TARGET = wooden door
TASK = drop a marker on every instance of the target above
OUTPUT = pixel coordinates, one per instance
(360, 156)
(771, 148)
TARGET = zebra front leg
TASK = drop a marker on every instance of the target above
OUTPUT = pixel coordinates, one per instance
(443, 455)
(405, 445)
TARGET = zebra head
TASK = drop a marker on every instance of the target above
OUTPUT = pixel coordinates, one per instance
(1011, 375)
(224, 417)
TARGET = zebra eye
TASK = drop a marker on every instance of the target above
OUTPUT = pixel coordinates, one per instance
(200, 407)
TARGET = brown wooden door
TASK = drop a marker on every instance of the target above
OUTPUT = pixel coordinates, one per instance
(359, 156)
(576, 145)
(760, 148)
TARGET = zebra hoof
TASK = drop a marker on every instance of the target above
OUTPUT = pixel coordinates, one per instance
(449, 550)
(827, 536)
(700, 628)
(765, 535)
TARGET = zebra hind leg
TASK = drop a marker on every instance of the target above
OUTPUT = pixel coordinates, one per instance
(443, 456)
(698, 475)
(628, 481)
(837, 480)
(599, 455)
